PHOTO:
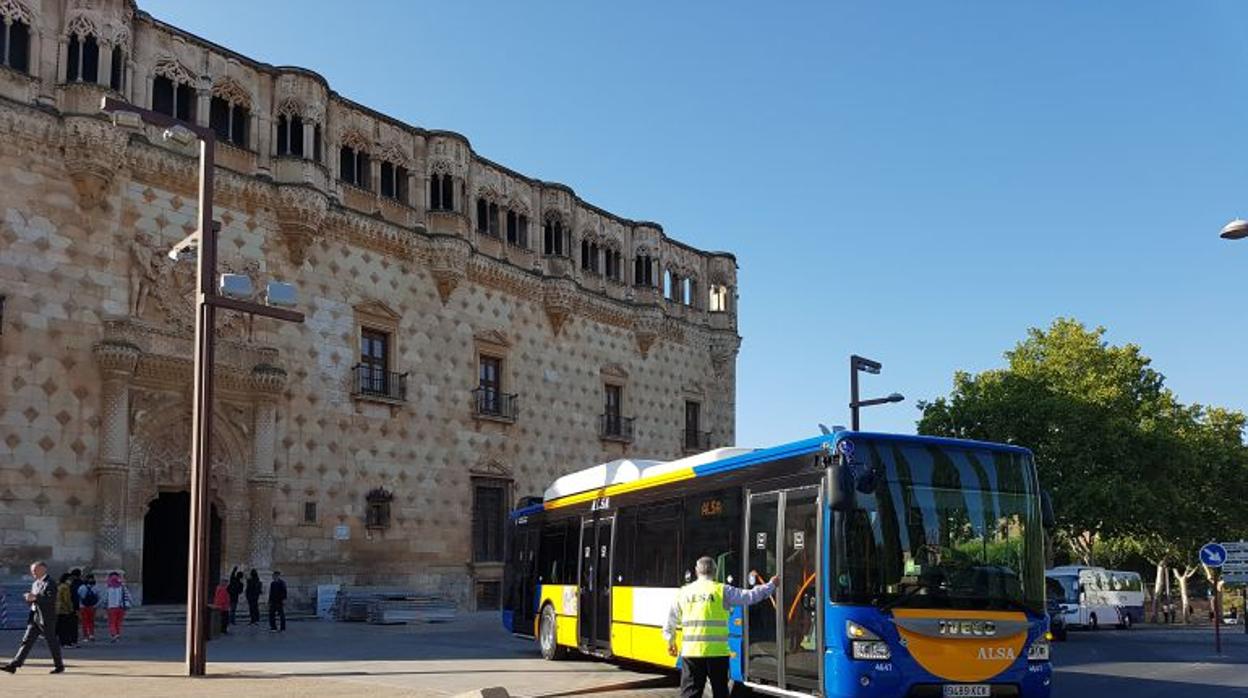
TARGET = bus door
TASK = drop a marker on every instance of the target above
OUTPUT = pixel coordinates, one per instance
(783, 635)
(595, 584)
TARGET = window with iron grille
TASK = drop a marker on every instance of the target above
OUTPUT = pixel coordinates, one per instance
(489, 511)
(377, 514)
(491, 384)
(309, 512)
(374, 361)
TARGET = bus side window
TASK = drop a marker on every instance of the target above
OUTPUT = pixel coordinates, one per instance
(658, 533)
(625, 533)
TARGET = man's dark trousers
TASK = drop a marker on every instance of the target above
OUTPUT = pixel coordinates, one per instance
(277, 610)
(696, 671)
(35, 628)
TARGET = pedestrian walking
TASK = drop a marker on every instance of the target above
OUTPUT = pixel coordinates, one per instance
(235, 589)
(700, 611)
(66, 616)
(88, 600)
(41, 621)
(221, 602)
(116, 602)
(277, 603)
(252, 591)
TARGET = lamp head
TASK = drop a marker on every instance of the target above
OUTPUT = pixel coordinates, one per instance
(1235, 230)
(180, 135)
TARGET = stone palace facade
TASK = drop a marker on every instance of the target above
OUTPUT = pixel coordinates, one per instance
(471, 332)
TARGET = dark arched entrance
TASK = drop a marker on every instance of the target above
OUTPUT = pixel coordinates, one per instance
(166, 530)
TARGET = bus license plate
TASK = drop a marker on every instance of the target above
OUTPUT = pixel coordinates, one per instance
(977, 690)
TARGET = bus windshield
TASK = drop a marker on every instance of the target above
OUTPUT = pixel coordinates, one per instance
(946, 527)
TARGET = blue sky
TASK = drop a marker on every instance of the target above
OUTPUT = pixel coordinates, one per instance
(917, 182)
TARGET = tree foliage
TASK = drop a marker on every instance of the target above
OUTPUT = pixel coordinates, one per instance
(1132, 471)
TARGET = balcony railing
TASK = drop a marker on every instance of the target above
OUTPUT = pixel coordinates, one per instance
(375, 382)
(494, 404)
(697, 441)
(613, 427)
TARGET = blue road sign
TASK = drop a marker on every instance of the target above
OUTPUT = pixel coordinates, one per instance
(1212, 555)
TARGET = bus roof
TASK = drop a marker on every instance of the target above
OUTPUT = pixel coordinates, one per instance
(625, 475)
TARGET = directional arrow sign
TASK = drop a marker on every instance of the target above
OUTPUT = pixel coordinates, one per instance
(1213, 555)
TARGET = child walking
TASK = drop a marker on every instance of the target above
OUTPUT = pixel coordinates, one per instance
(116, 601)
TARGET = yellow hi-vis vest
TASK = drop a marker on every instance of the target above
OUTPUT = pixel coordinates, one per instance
(703, 620)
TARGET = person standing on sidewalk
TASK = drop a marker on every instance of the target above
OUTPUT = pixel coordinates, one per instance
(277, 602)
(88, 599)
(253, 590)
(41, 621)
(66, 614)
(75, 583)
(116, 601)
(700, 611)
(236, 589)
(221, 602)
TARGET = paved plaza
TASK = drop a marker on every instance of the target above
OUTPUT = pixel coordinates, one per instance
(315, 658)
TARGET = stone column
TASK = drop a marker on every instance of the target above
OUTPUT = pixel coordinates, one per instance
(309, 140)
(267, 384)
(106, 65)
(117, 361)
(62, 61)
(203, 103)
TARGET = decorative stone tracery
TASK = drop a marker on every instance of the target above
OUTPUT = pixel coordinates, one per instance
(300, 214)
(449, 263)
(93, 147)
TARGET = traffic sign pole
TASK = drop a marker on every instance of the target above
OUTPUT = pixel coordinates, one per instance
(1217, 611)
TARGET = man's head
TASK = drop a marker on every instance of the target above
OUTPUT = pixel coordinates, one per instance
(38, 568)
(75, 573)
(277, 575)
(705, 568)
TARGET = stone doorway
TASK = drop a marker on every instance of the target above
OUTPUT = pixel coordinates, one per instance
(166, 529)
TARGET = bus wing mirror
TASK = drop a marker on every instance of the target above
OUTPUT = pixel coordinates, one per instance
(840, 487)
(1047, 519)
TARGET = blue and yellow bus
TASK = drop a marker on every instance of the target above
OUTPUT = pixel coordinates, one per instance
(908, 566)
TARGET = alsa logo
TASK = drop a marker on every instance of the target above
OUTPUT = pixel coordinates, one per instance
(995, 653)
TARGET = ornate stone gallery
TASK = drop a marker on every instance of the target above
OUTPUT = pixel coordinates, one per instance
(472, 333)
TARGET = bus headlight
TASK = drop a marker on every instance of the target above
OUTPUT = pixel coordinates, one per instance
(1039, 651)
(864, 644)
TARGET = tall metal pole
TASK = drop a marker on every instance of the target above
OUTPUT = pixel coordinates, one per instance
(853, 392)
(201, 420)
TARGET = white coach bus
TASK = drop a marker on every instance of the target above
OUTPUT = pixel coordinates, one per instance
(1095, 596)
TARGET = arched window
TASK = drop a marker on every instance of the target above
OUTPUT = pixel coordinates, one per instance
(686, 291)
(15, 43)
(394, 181)
(643, 271)
(117, 71)
(290, 135)
(553, 235)
(517, 229)
(228, 114)
(82, 62)
(589, 257)
(668, 284)
(487, 217)
(612, 263)
(353, 167)
(174, 98)
(441, 192)
(718, 298)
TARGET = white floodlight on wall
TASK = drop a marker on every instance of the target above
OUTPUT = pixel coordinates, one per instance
(180, 135)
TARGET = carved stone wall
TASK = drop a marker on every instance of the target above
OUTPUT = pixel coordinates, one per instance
(95, 356)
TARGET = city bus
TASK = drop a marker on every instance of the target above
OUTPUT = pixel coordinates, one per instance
(907, 565)
(1094, 596)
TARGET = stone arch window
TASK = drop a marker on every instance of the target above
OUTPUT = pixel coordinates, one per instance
(643, 270)
(394, 181)
(517, 228)
(353, 162)
(292, 127)
(487, 217)
(173, 93)
(718, 298)
(688, 287)
(441, 191)
(117, 69)
(670, 284)
(82, 51)
(590, 256)
(229, 112)
(377, 508)
(612, 263)
(15, 35)
(555, 237)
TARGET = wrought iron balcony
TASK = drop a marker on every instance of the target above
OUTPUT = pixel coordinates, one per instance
(613, 427)
(494, 404)
(697, 441)
(375, 382)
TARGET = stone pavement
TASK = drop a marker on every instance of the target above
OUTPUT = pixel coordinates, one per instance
(318, 658)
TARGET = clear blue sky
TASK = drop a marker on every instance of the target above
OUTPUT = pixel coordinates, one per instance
(918, 182)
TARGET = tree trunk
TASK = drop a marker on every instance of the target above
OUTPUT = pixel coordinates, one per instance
(1158, 583)
(1182, 580)
(1081, 545)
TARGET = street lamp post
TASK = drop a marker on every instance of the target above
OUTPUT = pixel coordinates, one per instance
(207, 300)
(859, 364)
(1237, 229)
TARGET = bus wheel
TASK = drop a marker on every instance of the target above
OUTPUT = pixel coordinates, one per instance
(1092, 622)
(546, 635)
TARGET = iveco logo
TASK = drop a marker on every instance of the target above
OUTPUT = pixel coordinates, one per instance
(968, 628)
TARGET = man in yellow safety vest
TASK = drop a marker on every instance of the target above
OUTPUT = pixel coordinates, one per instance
(701, 612)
